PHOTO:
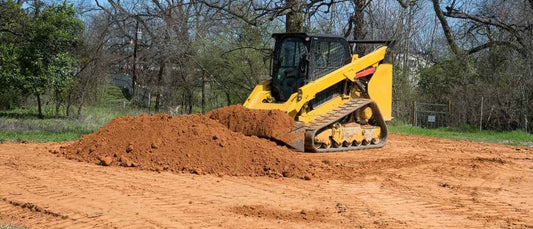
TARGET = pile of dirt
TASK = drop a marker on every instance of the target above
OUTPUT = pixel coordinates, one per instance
(270, 124)
(191, 143)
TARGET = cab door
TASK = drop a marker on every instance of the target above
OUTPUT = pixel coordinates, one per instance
(289, 67)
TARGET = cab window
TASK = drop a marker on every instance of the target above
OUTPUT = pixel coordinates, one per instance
(328, 55)
(291, 53)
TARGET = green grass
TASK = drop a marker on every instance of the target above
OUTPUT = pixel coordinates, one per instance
(22, 124)
(40, 136)
(59, 129)
(510, 137)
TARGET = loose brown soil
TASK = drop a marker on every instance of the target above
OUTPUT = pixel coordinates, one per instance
(413, 182)
(191, 143)
(261, 211)
(269, 124)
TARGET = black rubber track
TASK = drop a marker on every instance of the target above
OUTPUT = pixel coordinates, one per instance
(338, 114)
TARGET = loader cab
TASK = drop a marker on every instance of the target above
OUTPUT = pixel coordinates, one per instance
(299, 58)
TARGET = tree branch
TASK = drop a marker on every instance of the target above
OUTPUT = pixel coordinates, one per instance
(9, 31)
(487, 21)
(446, 28)
(239, 48)
(404, 4)
(494, 43)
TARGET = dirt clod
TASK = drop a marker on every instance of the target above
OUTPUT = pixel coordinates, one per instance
(158, 168)
(286, 174)
(340, 208)
(125, 162)
(197, 171)
(129, 148)
(105, 160)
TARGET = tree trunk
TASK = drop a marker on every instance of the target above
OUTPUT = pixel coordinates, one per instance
(359, 25)
(228, 98)
(82, 100)
(39, 105)
(159, 82)
(294, 20)
(69, 103)
(157, 102)
(183, 97)
(58, 106)
(79, 110)
(58, 102)
(408, 40)
(189, 99)
(445, 27)
(134, 66)
(203, 93)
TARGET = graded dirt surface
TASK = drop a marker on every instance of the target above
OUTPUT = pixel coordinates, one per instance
(413, 182)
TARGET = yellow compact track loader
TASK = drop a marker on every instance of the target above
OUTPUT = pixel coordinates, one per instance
(339, 100)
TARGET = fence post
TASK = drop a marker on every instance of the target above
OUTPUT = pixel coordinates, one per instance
(481, 115)
(525, 118)
(414, 114)
(449, 113)
(149, 101)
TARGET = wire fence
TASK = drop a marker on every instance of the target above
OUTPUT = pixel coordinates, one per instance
(431, 115)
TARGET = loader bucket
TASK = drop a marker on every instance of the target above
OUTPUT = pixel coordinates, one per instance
(294, 138)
